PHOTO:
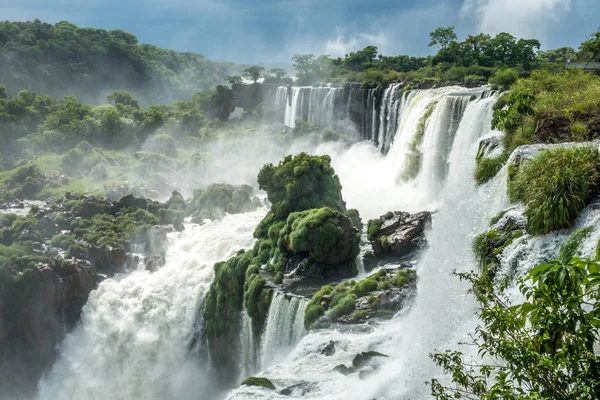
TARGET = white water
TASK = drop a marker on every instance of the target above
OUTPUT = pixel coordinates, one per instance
(284, 328)
(442, 313)
(134, 334)
(133, 338)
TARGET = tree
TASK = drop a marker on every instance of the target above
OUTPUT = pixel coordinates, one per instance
(519, 105)
(234, 80)
(254, 73)
(123, 97)
(592, 46)
(442, 37)
(3, 94)
(540, 349)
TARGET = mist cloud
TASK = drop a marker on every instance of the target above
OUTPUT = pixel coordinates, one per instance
(342, 44)
(521, 18)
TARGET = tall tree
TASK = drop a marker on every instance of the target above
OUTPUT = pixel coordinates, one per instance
(442, 37)
(254, 73)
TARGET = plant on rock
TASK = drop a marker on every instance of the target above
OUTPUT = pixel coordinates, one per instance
(555, 186)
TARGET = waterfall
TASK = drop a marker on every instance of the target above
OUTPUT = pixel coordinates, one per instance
(284, 327)
(388, 116)
(133, 337)
(442, 313)
(248, 346)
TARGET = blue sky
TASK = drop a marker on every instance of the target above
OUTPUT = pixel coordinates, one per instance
(271, 31)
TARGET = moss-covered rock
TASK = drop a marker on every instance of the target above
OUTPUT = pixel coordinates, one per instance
(218, 199)
(398, 232)
(354, 302)
(300, 183)
(262, 382)
(489, 246)
(327, 236)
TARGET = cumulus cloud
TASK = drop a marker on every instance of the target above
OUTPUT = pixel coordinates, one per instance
(522, 18)
(344, 44)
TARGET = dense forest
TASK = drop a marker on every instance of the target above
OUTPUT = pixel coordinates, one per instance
(64, 59)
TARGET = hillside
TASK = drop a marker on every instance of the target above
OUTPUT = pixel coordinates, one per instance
(64, 59)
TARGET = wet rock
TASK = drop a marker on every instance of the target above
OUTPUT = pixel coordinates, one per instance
(329, 350)
(344, 370)
(299, 389)
(487, 146)
(400, 233)
(262, 382)
(362, 359)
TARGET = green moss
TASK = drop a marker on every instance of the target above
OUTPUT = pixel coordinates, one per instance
(223, 198)
(278, 280)
(414, 157)
(487, 168)
(300, 183)
(345, 306)
(555, 186)
(365, 287)
(355, 218)
(262, 382)
(63, 241)
(318, 232)
(373, 227)
(498, 217)
(570, 248)
(488, 248)
(404, 277)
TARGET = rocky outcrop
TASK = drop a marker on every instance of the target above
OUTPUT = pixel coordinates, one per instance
(37, 308)
(487, 146)
(398, 233)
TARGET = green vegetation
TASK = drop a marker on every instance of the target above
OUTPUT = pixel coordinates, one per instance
(64, 59)
(373, 227)
(300, 183)
(218, 199)
(489, 246)
(320, 233)
(341, 300)
(262, 382)
(306, 219)
(542, 348)
(550, 107)
(555, 186)
(571, 247)
(488, 167)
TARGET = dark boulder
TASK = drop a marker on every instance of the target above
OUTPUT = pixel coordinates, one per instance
(399, 232)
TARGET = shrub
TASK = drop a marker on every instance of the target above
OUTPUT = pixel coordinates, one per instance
(488, 167)
(555, 186)
(365, 287)
(504, 78)
(344, 307)
(373, 227)
(404, 277)
(162, 144)
(63, 241)
(278, 280)
(570, 248)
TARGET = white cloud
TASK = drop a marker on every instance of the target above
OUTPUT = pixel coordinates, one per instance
(522, 18)
(343, 44)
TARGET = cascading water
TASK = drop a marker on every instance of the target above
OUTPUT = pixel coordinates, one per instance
(442, 312)
(284, 327)
(134, 335)
(133, 338)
